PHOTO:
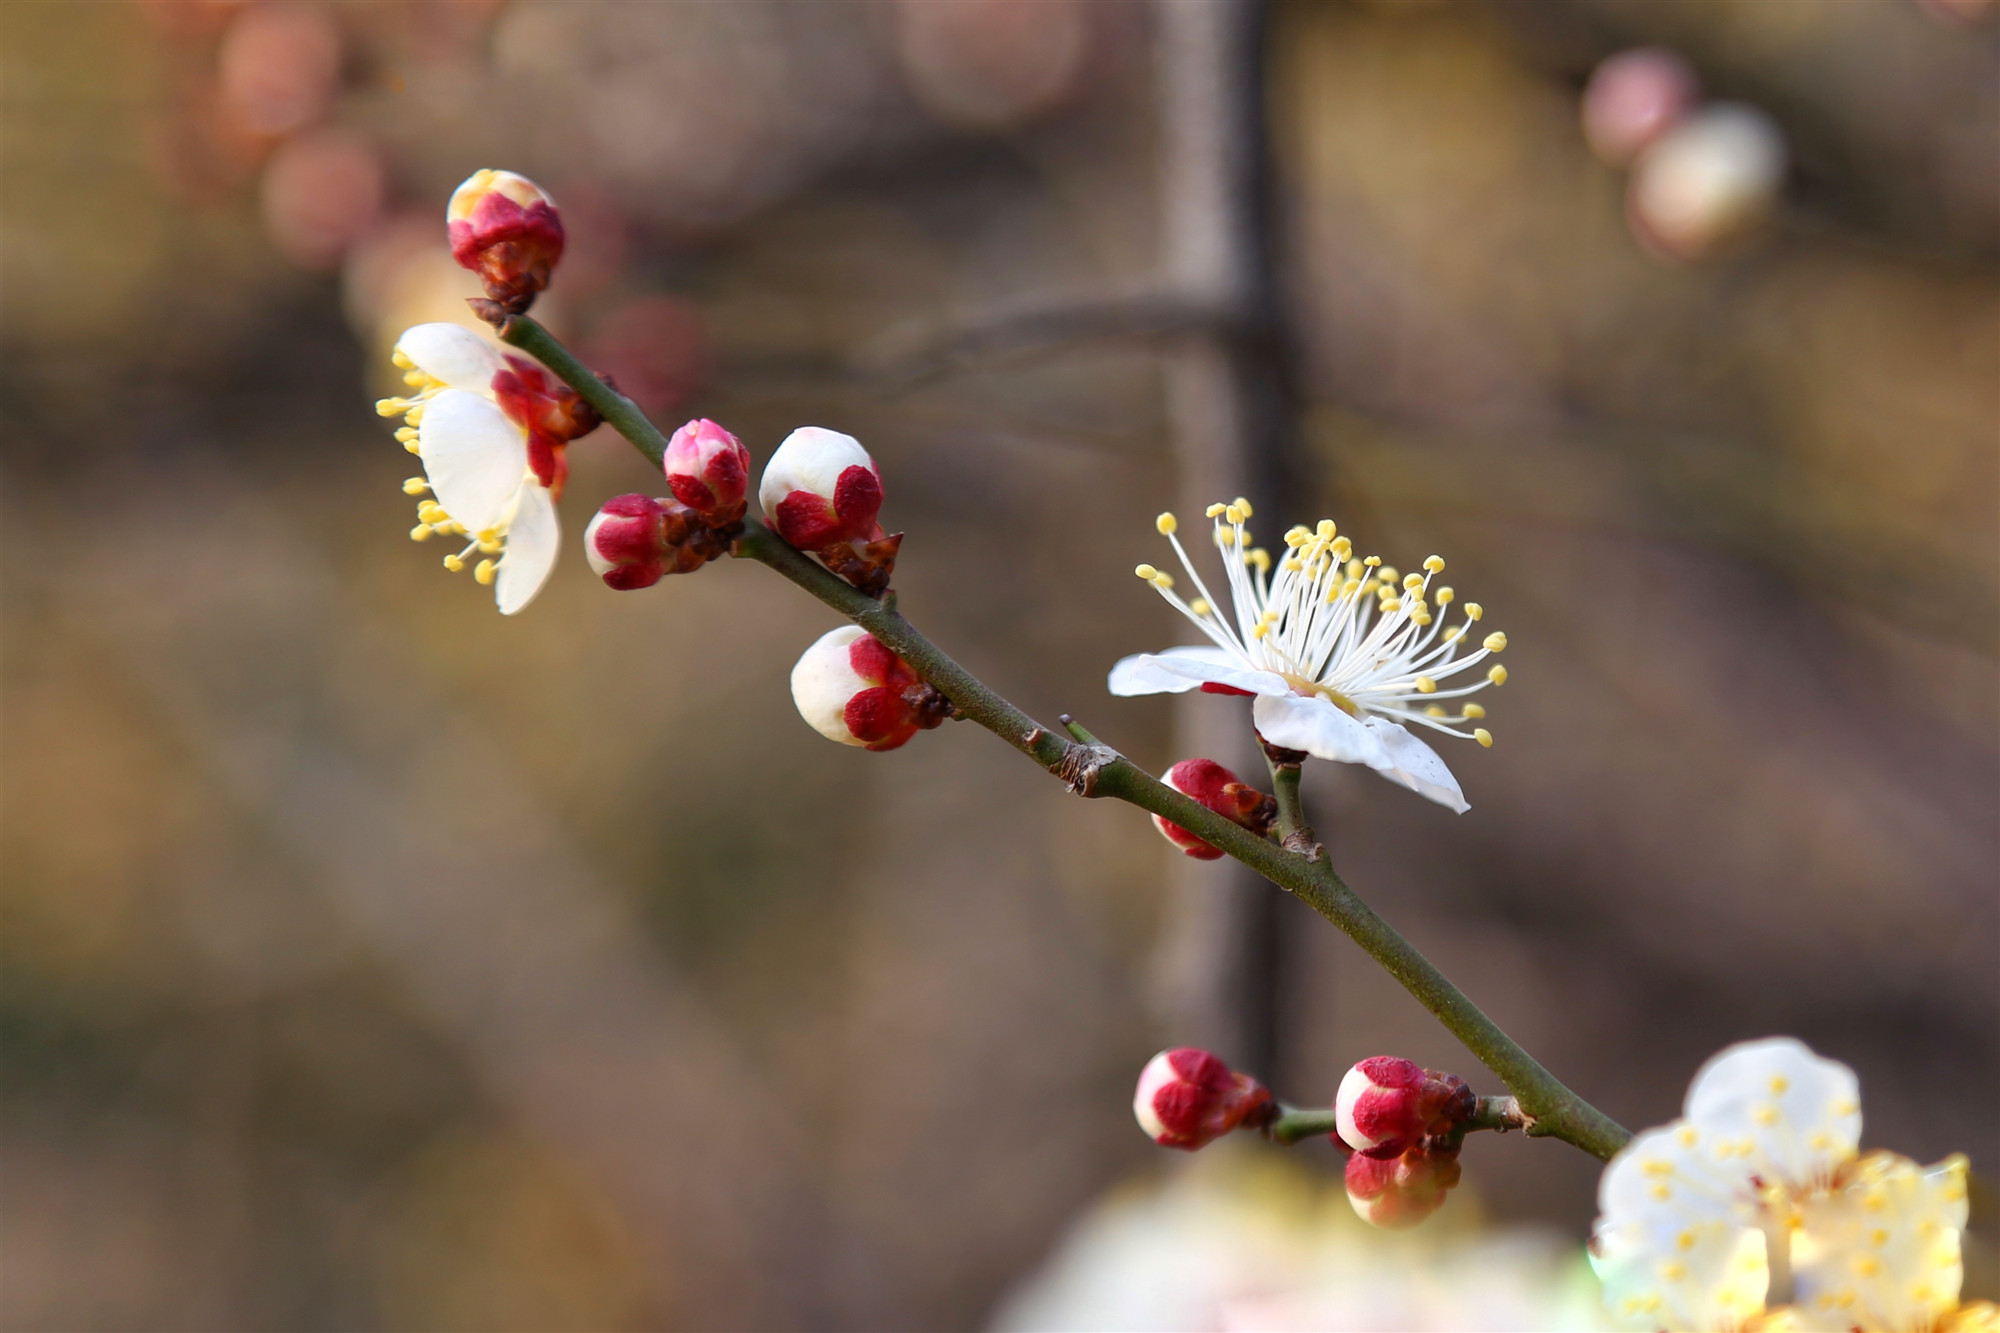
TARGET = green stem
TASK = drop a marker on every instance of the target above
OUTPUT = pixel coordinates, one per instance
(1297, 1123)
(620, 412)
(1090, 768)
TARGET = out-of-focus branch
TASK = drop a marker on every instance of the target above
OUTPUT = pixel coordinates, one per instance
(919, 350)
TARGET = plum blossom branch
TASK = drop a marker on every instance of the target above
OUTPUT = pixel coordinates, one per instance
(1295, 1124)
(1546, 1107)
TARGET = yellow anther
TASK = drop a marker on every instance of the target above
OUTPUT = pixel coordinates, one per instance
(1351, 588)
(1498, 675)
(430, 511)
(416, 379)
(489, 548)
(1475, 712)
(1412, 582)
(1685, 1240)
(1199, 606)
(1434, 563)
(1263, 628)
(1867, 1265)
(1294, 564)
(1778, 1081)
(1474, 610)
(406, 433)
(1444, 596)
(1342, 548)
(1147, 572)
(488, 535)
(1846, 1106)
(1660, 1192)
(486, 571)
(1243, 506)
(1688, 1135)
(1163, 581)
(400, 359)
(415, 416)
(421, 532)
(415, 486)
(1297, 536)
(1878, 1237)
(389, 407)
(1495, 641)
(1425, 685)
(1387, 574)
(1260, 558)
(1372, 561)
(1673, 1270)
(1451, 635)
(1167, 524)
(1485, 738)
(1420, 617)
(411, 444)
(1390, 605)
(1326, 529)
(1435, 710)
(454, 563)
(1766, 1115)
(1216, 510)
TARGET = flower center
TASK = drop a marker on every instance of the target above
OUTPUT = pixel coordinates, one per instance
(1312, 689)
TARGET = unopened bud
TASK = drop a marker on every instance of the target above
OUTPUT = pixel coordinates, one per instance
(505, 228)
(821, 488)
(1387, 1104)
(1220, 790)
(1707, 182)
(709, 470)
(1187, 1098)
(634, 541)
(1633, 98)
(1400, 1191)
(850, 688)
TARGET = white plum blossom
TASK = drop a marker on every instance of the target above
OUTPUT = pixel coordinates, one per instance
(490, 431)
(1760, 1193)
(1342, 653)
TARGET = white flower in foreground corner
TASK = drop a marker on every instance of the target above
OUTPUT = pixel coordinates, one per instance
(1762, 1182)
(491, 431)
(1339, 651)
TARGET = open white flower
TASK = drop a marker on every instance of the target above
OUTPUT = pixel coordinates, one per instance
(1760, 1191)
(482, 424)
(1340, 652)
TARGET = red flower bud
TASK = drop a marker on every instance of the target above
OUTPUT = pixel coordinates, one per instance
(1633, 98)
(852, 689)
(635, 541)
(1400, 1191)
(1387, 1105)
(1221, 791)
(505, 228)
(709, 470)
(549, 411)
(821, 487)
(1187, 1098)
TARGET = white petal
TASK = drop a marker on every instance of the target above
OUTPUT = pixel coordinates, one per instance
(533, 539)
(1416, 765)
(1178, 670)
(825, 679)
(1793, 1116)
(811, 459)
(1883, 1249)
(474, 456)
(454, 354)
(1320, 729)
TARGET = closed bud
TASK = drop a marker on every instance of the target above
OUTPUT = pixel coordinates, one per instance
(1188, 1098)
(852, 689)
(1220, 790)
(1633, 98)
(1400, 1191)
(1708, 182)
(634, 541)
(709, 470)
(1387, 1104)
(505, 228)
(821, 488)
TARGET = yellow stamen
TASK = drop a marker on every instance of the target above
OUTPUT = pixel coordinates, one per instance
(1495, 641)
(1434, 563)
(421, 532)
(1444, 596)
(1474, 711)
(1244, 505)
(391, 407)
(411, 444)
(454, 563)
(1483, 736)
(1260, 558)
(1425, 685)
(1167, 524)
(1326, 529)
(406, 433)
(400, 359)
(415, 486)
(1412, 582)
(1147, 572)
(1199, 606)
(1474, 610)
(1498, 675)
(1778, 1085)
(1163, 581)
(1297, 536)
(486, 571)
(1215, 510)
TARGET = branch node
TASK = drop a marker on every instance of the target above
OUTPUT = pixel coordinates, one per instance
(1080, 765)
(1301, 843)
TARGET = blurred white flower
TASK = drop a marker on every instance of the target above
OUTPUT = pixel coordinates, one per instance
(1340, 652)
(1761, 1182)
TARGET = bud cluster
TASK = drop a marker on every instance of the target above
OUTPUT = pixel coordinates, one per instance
(636, 540)
(1222, 791)
(1188, 1098)
(821, 493)
(1403, 1125)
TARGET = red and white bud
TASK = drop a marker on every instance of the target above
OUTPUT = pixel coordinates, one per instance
(505, 228)
(1387, 1104)
(820, 489)
(1635, 97)
(709, 470)
(852, 689)
(1400, 1191)
(635, 540)
(1708, 182)
(1220, 790)
(1188, 1098)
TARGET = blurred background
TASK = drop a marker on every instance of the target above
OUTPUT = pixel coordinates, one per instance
(372, 961)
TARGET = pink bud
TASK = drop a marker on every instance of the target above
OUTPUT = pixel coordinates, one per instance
(820, 489)
(635, 540)
(1634, 97)
(1220, 790)
(1708, 182)
(709, 470)
(505, 228)
(1400, 1191)
(852, 689)
(1386, 1104)
(1187, 1098)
